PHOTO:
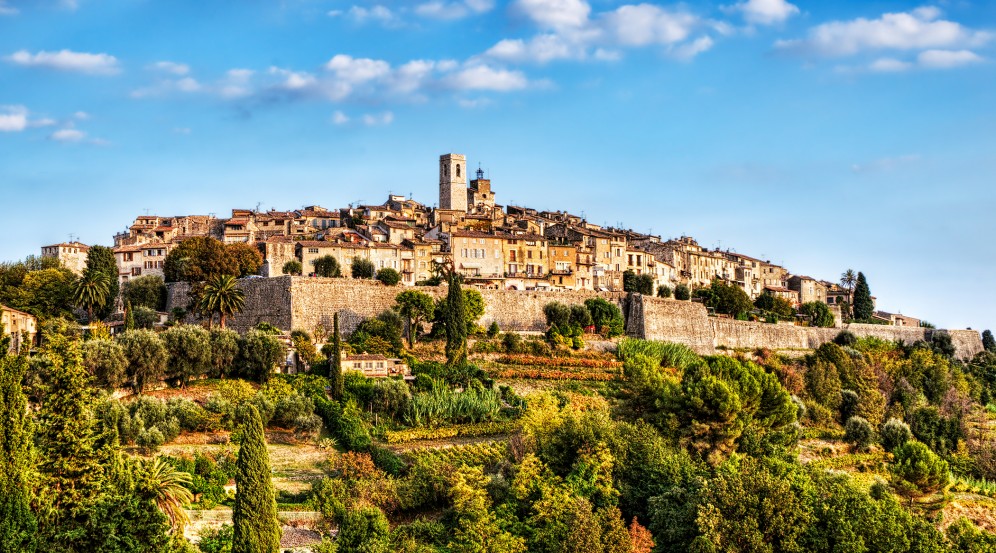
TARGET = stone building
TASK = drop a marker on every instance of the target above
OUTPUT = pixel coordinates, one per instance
(277, 251)
(375, 365)
(562, 265)
(147, 258)
(478, 256)
(525, 260)
(20, 327)
(809, 289)
(480, 198)
(71, 255)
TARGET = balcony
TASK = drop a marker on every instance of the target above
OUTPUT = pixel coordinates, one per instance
(562, 272)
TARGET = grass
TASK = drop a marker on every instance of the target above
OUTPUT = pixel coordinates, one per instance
(667, 354)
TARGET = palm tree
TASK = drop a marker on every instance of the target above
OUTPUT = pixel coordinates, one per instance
(90, 291)
(168, 487)
(848, 279)
(222, 295)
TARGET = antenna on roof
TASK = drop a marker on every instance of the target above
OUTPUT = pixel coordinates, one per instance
(146, 211)
(72, 237)
(257, 206)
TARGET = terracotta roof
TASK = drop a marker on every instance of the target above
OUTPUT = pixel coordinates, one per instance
(127, 249)
(366, 357)
(5, 308)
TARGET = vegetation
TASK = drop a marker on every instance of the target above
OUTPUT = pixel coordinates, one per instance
(145, 291)
(455, 321)
(864, 307)
(774, 306)
(200, 258)
(362, 268)
(326, 266)
(681, 292)
(91, 292)
(293, 267)
(416, 307)
(640, 284)
(254, 518)
(388, 276)
(727, 299)
(222, 295)
(819, 314)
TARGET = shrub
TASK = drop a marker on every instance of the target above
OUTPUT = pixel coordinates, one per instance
(327, 267)
(145, 318)
(493, 330)
(580, 316)
(557, 314)
(362, 268)
(145, 291)
(512, 342)
(894, 434)
(859, 432)
(664, 291)
(293, 267)
(388, 276)
(917, 471)
(681, 292)
(846, 338)
(819, 313)
(259, 354)
(606, 316)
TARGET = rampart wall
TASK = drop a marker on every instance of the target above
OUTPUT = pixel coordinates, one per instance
(304, 303)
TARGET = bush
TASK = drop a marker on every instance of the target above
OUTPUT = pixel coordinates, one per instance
(259, 354)
(493, 330)
(145, 291)
(846, 339)
(859, 432)
(681, 292)
(145, 318)
(917, 471)
(664, 291)
(327, 267)
(894, 434)
(512, 342)
(293, 267)
(557, 314)
(388, 276)
(819, 313)
(362, 268)
(606, 316)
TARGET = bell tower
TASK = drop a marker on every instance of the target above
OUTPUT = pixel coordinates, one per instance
(453, 182)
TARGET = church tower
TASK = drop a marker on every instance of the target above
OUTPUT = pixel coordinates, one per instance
(453, 182)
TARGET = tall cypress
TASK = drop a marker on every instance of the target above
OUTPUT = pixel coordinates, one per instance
(864, 307)
(17, 523)
(129, 320)
(255, 515)
(335, 361)
(456, 323)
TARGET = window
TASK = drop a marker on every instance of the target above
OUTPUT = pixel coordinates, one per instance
(312, 250)
(458, 170)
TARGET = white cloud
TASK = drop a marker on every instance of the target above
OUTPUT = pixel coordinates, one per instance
(915, 30)
(555, 14)
(439, 9)
(357, 70)
(645, 24)
(236, 83)
(13, 118)
(765, 12)
(484, 77)
(6, 9)
(81, 115)
(691, 49)
(293, 80)
(889, 65)
(68, 135)
(378, 14)
(540, 49)
(377, 119)
(885, 164)
(67, 60)
(945, 59)
(340, 118)
(178, 69)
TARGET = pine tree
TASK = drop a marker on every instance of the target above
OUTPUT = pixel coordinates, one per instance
(17, 523)
(335, 361)
(255, 515)
(456, 323)
(864, 307)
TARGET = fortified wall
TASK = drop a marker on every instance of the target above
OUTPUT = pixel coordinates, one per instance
(305, 302)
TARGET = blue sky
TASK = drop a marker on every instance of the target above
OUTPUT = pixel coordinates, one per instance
(820, 135)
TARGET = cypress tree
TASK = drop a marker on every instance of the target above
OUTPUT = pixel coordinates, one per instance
(17, 523)
(72, 477)
(988, 342)
(255, 515)
(129, 321)
(335, 361)
(456, 323)
(864, 307)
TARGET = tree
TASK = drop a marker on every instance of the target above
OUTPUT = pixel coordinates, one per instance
(819, 313)
(894, 434)
(863, 305)
(415, 307)
(917, 471)
(45, 293)
(106, 362)
(326, 266)
(335, 361)
(146, 291)
(455, 318)
(988, 342)
(169, 488)
(663, 291)
(847, 281)
(144, 318)
(17, 522)
(189, 350)
(197, 259)
(90, 292)
(557, 314)
(640, 284)
(256, 528)
(364, 530)
(245, 257)
(146, 355)
(362, 268)
(224, 351)
(859, 432)
(129, 318)
(100, 259)
(728, 299)
(293, 267)
(68, 462)
(259, 353)
(771, 303)
(388, 276)
(606, 316)
(681, 292)
(222, 295)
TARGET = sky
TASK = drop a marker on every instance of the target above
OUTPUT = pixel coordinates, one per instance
(818, 135)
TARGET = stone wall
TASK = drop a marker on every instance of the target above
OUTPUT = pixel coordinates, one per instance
(303, 303)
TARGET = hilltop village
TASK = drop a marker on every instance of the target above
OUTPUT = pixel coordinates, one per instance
(494, 246)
